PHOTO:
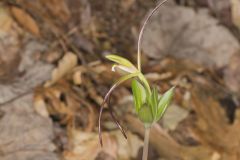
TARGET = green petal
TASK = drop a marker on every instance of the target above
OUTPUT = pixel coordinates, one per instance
(119, 60)
(139, 94)
(124, 69)
(164, 102)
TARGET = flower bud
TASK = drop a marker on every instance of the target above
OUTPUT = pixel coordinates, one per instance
(145, 114)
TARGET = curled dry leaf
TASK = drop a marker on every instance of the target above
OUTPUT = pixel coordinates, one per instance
(66, 64)
(25, 20)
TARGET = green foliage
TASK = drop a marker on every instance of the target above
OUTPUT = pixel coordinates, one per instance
(149, 105)
(139, 94)
(145, 115)
(164, 102)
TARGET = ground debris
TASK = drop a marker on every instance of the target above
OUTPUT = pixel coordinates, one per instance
(55, 117)
(21, 141)
(25, 20)
(187, 34)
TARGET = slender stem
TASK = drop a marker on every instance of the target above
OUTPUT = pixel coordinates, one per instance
(146, 143)
(142, 30)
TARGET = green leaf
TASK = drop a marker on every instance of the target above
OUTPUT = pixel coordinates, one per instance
(154, 101)
(145, 114)
(164, 102)
(139, 94)
(119, 60)
(119, 81)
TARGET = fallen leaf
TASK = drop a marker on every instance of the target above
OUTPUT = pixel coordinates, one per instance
(25, 20)
(5, 21)
(66, 64)
(232, 73)
(34, 73)
(40, 106)
(51, 57)
(236, 12)
(173, 116)
(127, 4)
(77, 78)
(127, 149)
(24, 134)
(86, 146)
(58, 8)
(9, 43)
(188, 34)
(221, 9)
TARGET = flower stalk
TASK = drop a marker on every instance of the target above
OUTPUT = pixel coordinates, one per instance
(146, 143)
(142, 31)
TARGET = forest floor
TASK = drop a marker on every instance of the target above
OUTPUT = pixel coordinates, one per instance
(53, 77)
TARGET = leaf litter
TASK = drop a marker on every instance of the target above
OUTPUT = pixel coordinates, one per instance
(52, 106)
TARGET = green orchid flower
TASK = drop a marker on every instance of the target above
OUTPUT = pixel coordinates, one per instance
(150, 106)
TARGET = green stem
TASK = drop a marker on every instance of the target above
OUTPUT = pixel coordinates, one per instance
(146, 143)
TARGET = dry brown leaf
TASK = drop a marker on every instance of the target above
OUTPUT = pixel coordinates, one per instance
(52, 56)
(232, 73)
(24, 134)
(5, 21)
(77, 77)
(66, 64)
(213, 128)
(25, 20)
(34, 72)
(9, 43)
(127, 149)
(236, 12)
(173, 116)
(184, 33)
(86, 146)
(221, 9)
(58, 8)
(127, 4)
(40, 106)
